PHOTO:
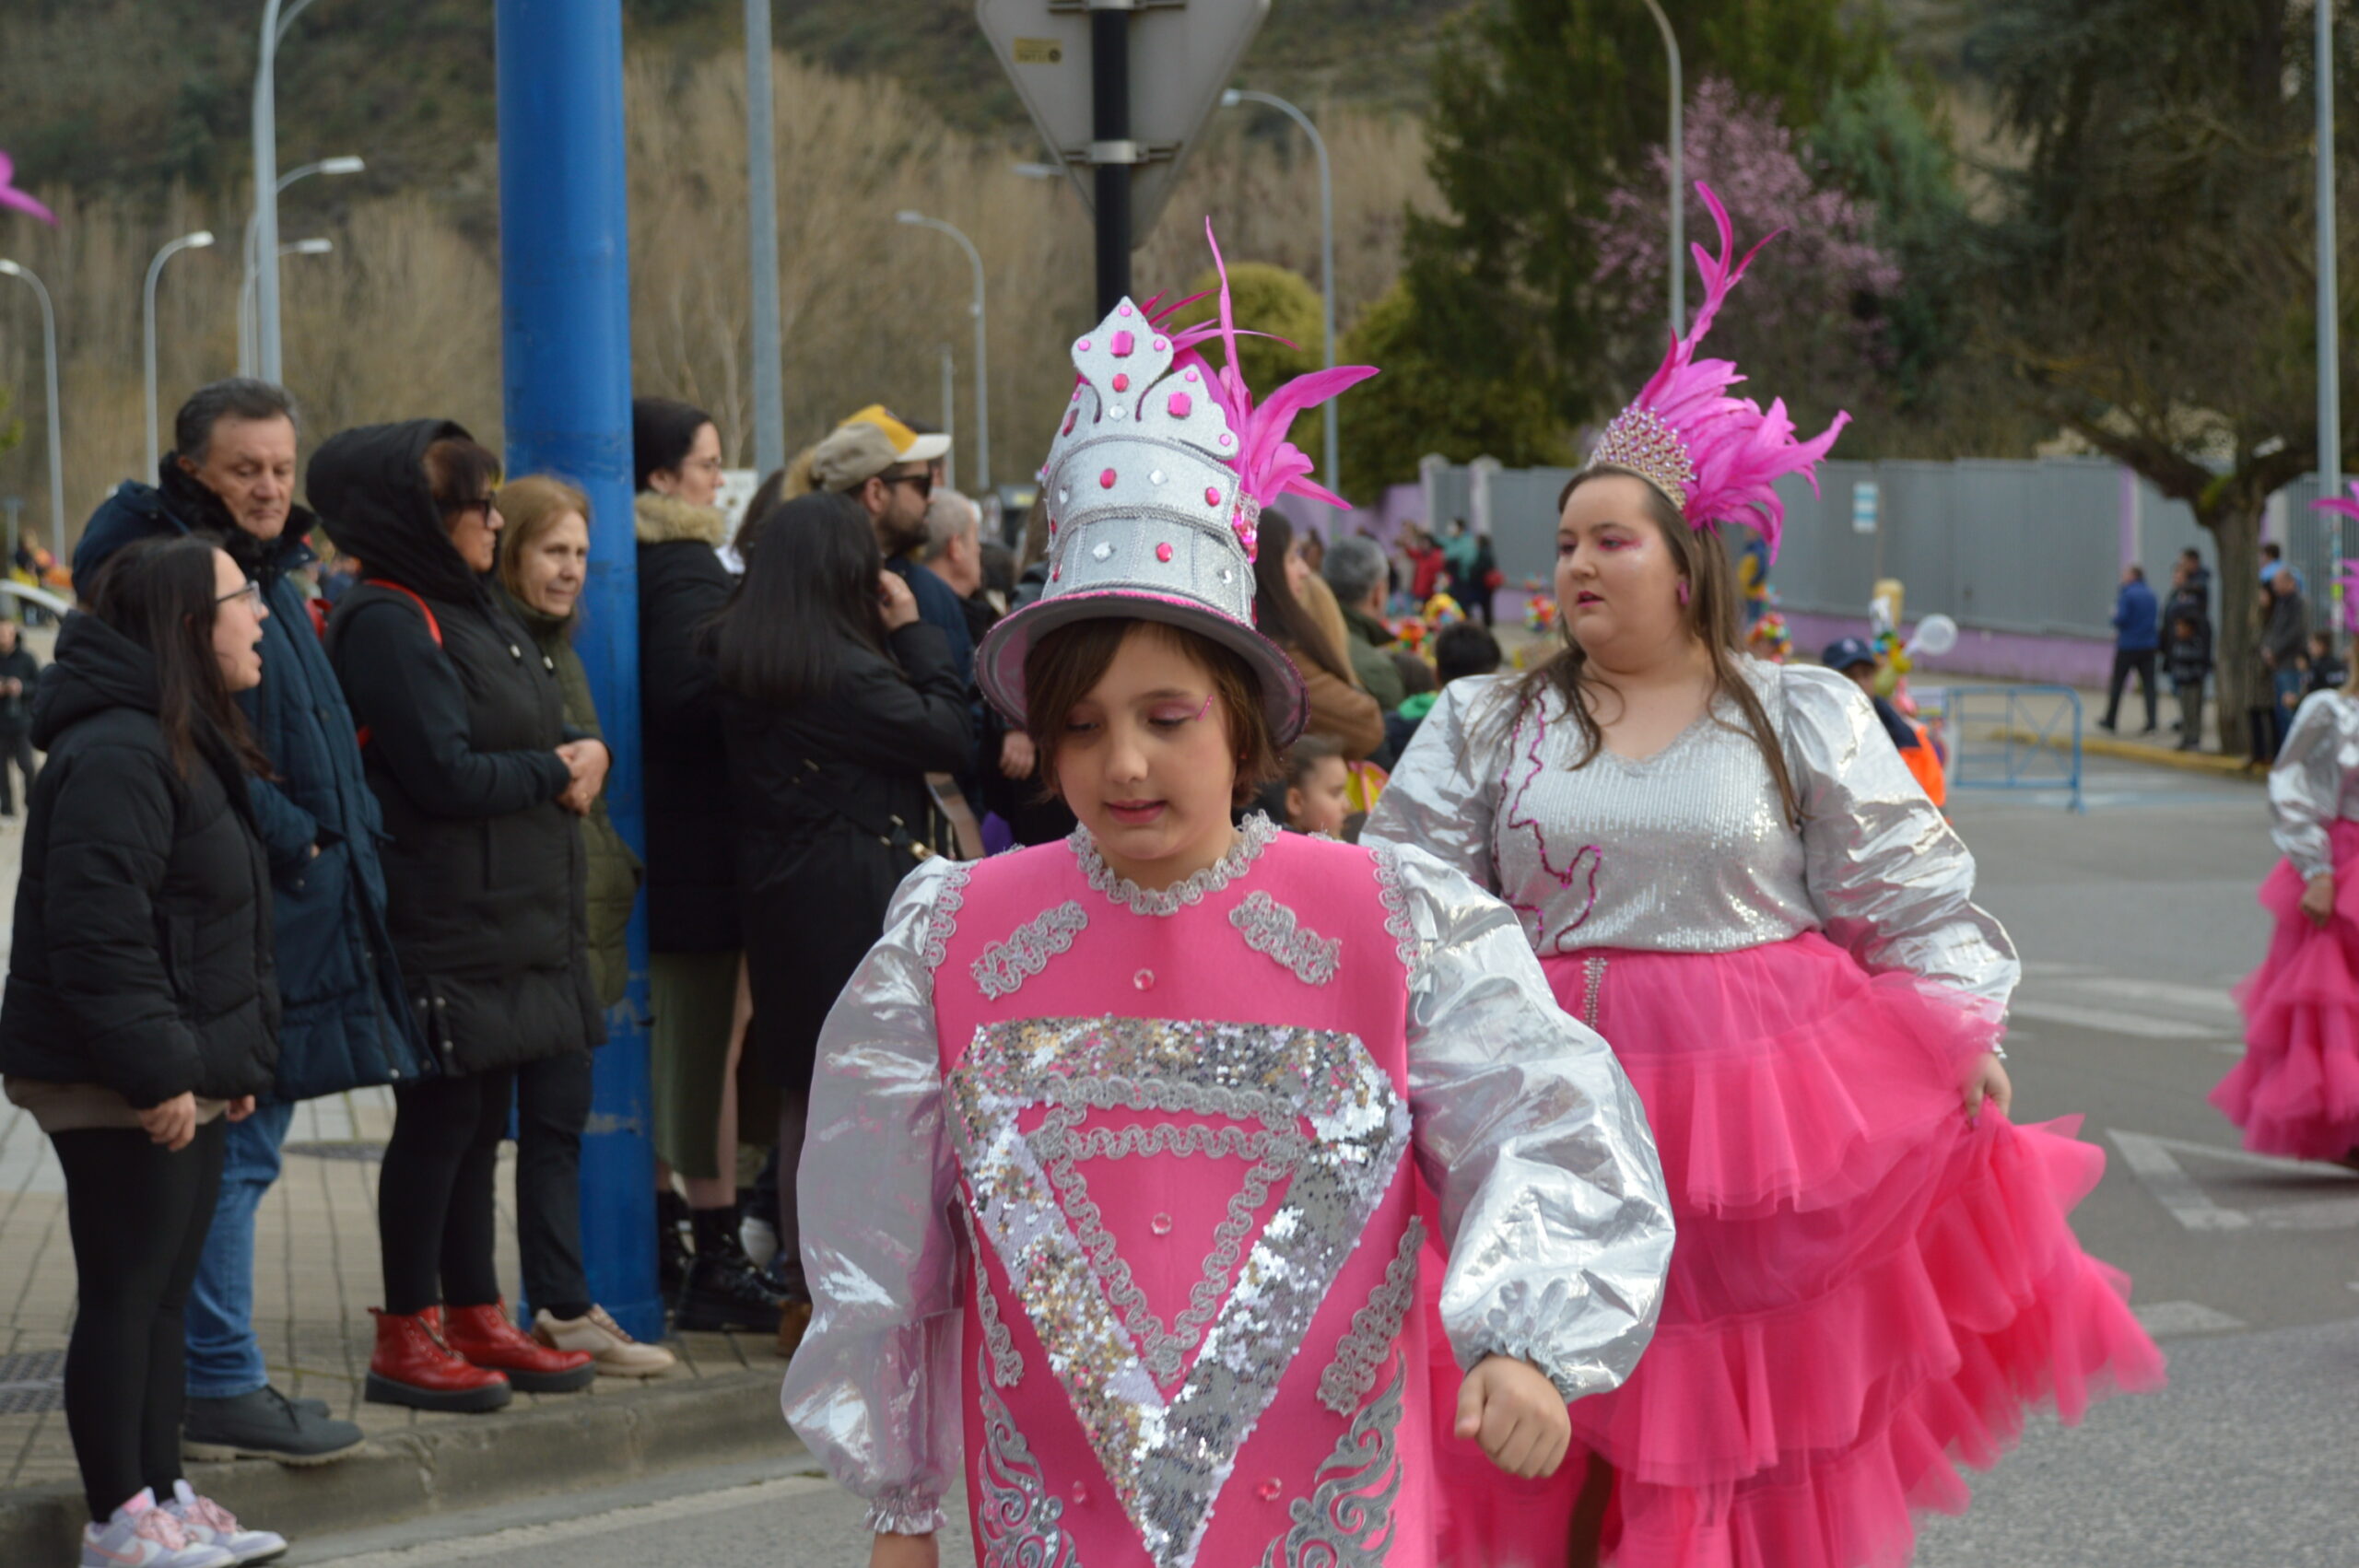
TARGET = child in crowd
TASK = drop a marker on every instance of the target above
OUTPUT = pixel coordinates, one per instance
(2187, 658)
(1319, 787)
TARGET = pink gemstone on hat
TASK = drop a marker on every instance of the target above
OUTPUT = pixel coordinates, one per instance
(1224, 438)
(1163, 552)
(1056, 574)
(1069, 419)
(1125, 311)
(1122, 382)
(1180, 405)
(1106, 480)
(1212, 496)
(1189, 376)
(1083, 346)
(1162, 346)
(1123, 343)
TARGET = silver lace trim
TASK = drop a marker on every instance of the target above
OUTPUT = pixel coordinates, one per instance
(941, 921)
(904, 1511)
(1359, 1355)
(1592, 987)
(1274, 1155)
(1005, 966)
(1270, 927)
(1347, 1522)
(1398, 923)
(1253, 836)
(1007, 1366)
(1017, 1521)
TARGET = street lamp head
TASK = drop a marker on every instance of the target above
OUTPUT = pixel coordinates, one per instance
(314, 247)
(10, 268)
(1036, 170)
(1230, 97)
(200, 239)
(907, 215)
(347, 164)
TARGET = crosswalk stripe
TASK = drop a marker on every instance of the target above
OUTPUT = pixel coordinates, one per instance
(2112, 1020)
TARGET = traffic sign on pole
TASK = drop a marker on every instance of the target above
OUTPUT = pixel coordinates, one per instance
(1182, 53)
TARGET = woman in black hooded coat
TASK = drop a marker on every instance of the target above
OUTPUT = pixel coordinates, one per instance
(482, 787)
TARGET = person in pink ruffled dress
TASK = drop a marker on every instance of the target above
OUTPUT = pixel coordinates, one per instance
(2295, 1093)
(1728, 873)
(1125, 1152)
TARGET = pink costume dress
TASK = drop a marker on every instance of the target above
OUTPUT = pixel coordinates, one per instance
(1867, 1288)
(2297, 1091)
(1108, 1208)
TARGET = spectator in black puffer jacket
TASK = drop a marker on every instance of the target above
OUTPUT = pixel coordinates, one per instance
(2187, 658)
(141, 1006)
(483, 788)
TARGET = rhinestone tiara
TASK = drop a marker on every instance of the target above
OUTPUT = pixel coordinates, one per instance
(1639, 440)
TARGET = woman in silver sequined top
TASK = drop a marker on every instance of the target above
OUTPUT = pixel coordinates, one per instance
(1727, 871)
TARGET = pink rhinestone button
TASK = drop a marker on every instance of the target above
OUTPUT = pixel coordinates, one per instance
(1080, 1493)
(1106, 480)
(1181, 405)
(1225, 437)
(1123, 343)
(1083, 346)
(1163, 552)
(1160, 1225)
(1125, 311)
(1189, 376)
(1162, 346)
(1143, 979)
(1212, 496)
(1269, 1489)
(1122, 381)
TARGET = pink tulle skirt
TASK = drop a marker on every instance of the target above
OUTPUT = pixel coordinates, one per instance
(2297, 1091)
(1867, 1290)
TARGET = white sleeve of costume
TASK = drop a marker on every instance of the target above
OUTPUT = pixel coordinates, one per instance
(1443, 791)
(2306, 786)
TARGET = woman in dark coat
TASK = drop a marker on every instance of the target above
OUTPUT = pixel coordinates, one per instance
(141, 1005)
(482, 786)
(837, 702)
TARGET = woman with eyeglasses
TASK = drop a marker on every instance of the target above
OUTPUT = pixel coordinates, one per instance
(695, 975)
(142, 1011)
(483, 788)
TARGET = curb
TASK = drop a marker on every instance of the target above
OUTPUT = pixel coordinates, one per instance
(454, 1466)
(2130, 751)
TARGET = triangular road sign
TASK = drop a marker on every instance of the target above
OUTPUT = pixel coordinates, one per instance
(1183, 53)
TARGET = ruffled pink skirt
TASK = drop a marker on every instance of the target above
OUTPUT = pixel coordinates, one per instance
(2297, 1091)
(1867, 1290)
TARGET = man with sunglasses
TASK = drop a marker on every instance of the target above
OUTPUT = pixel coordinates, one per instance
(345, 1023)
(889, 468)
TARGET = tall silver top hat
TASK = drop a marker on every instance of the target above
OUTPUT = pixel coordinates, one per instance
(1150, 516)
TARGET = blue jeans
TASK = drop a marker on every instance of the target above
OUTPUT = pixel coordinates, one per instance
(224, 1356)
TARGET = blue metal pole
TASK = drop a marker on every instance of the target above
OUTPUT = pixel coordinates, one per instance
(564, 293)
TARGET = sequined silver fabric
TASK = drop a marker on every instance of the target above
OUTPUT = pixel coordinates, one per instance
(2316, 781)
(1347, 1522)
(1005, 966)
(1551, 1199)
(1689, 851)
(1270, 928)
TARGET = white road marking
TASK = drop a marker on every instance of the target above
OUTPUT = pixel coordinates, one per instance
(2198, 1000)
(472, 1549)
(2166, 1319)
(2154, 1160)
(2112, 1020)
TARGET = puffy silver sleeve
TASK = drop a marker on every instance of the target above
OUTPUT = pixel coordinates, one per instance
(2305, 787)
(1553, 1208)
(1443, 791)
(1892, 882)
(873, 1391)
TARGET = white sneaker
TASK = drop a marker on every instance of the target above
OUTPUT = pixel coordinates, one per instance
(143, 1536)
(206, 1523)
(614, 1352)
(759, 1237)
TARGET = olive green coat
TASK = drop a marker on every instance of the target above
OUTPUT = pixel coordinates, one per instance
(615, 872)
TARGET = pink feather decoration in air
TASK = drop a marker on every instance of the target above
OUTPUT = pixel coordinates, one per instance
(1736, 450)
(2350, 568)
(12, 197)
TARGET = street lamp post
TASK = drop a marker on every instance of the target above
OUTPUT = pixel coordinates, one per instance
(313, 247)
(761, 186)
(276, 19)
(249, 342)
(1332, 473)
(56, 437)
(983, 383)
(950, 418)
(1678, 189)
(2330, 308)
(195, 241)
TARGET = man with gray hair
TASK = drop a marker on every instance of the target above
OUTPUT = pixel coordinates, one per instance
(1356, 570)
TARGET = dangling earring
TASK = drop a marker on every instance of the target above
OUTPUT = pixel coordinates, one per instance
(1683, 591)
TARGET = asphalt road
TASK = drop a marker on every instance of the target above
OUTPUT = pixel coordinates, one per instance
(2135, 919)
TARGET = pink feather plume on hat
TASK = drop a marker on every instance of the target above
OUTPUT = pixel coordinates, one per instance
(12, 197)
(1736, 450)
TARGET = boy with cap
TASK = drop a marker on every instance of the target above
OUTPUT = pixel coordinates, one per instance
(1854, 658)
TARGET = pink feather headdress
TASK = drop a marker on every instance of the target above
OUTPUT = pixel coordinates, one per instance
(2350, 568)
(1715, 456)
(12, 197)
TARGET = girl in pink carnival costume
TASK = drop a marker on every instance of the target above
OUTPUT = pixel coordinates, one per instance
(2297, 1091)
(1727, 872)
(1111, 1199)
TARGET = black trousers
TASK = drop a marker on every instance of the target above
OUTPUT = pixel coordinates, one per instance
(15, 750)
(138, 1214)
(434, 1211)
(2125, 660)
(552, 1109)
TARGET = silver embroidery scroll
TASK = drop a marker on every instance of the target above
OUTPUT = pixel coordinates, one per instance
(1007, 1366)
(1270, 927)
(1017, 1521)
(1347, 1522)
(1005, 966)
(942, 920)
(1398, 923)
(1359, 1356)
(1253, 836)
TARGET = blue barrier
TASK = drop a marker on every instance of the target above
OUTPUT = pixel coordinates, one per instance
(2021, 738)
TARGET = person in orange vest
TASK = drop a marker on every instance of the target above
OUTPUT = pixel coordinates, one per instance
(1854, 657)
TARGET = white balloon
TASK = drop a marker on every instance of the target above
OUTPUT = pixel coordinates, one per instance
(1936, 635)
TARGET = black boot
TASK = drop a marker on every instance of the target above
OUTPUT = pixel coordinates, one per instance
(671, 1247)
(724, 1289)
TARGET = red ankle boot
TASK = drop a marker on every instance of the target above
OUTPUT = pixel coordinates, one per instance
(411, 1366)
(484, 1336)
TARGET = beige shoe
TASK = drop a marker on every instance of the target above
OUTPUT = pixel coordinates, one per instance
(615, 1352)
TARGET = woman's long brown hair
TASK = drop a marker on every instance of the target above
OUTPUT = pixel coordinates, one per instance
(159, 593)
(1712, 619)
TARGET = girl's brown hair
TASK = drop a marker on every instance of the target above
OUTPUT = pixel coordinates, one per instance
(1712, 619)
(530, 508)
(161, 594)
(1066, 664)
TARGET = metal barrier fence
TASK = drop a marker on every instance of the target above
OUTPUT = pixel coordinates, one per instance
(2025, 738)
